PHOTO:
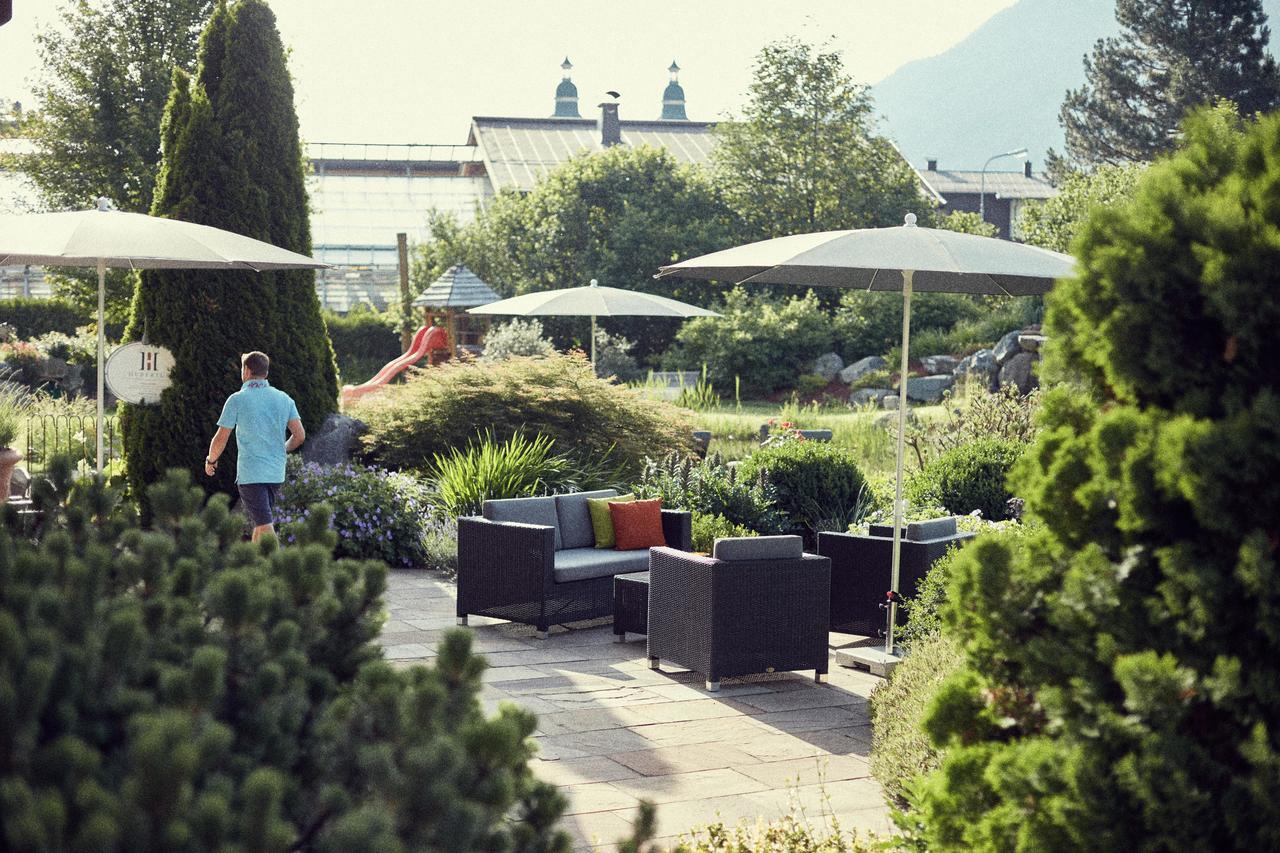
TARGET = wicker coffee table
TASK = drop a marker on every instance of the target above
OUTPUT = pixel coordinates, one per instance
(630, 605)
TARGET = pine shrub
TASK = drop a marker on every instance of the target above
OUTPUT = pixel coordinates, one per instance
(968, 477)
(1121, 686)
(178, 689)
(441, 408)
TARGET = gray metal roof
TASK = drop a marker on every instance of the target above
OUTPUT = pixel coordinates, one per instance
(999, 184)
(458, 287)
(517, 152)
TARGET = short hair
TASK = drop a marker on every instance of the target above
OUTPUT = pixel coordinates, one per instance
(257, 362)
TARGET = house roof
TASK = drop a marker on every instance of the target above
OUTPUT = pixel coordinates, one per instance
(458, 287)
(999, 184)
(519, 151)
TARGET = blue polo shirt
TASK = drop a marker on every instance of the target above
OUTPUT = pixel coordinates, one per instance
(260, 416)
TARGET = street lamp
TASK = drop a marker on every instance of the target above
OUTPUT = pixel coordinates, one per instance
(982, 192)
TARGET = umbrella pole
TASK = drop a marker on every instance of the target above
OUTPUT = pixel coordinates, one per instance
(593, 341)
(902, 434)
(102, 346)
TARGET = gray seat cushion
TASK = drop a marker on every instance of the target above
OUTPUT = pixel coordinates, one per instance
(525, 511)
(934, 528)
(575, 518)
(579, 564)
(758, 548)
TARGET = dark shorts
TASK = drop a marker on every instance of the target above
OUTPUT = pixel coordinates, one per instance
(259, 501)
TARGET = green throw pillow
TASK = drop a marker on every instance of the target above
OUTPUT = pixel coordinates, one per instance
(602, 521)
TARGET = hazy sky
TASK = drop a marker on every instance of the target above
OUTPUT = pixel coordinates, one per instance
(406, 71)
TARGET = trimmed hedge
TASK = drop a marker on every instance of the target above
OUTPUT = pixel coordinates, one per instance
(967, 478)
(363, 341)
(449, 406)
(819, 485)
(33, 317)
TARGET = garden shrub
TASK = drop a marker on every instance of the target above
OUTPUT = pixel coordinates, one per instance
(1006, 414)
(900, 749)
(444, 407)
(363, 341)
(30, 316)
(178, 689)
(819, 485)
(440, 543)
(968, 478)
(763, 341)
(516, 338)
(614, 359)
(520, 467)
(377, 515)
(707, 528)
(794, 832)
(1120, 690)
(712, 488)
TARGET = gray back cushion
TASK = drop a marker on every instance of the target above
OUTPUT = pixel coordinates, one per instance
(575, 519)
(759, 548)
(935, 528)
(524, 511)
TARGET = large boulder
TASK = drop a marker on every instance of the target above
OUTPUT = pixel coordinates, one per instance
(861, 368)
(1018, 371)
(1007, 347)
(828, 366)
(863, 396)
(929, 389)
(935, 364)
(334, 441)
(980, 367)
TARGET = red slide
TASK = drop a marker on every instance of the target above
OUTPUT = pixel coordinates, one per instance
(426, 339)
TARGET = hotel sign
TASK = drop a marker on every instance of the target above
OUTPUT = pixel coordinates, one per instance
(137, 372)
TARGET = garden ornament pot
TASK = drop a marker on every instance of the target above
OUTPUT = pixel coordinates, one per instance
(8, 459)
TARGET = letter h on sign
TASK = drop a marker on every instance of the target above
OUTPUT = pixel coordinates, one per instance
(149, 361)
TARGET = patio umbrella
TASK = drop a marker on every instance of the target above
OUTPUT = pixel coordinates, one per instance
(592, 301)
(906, 258)
(104, 238)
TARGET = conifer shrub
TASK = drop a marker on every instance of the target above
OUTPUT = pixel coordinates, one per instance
(177, 689)
(1121, 684)
(819, 485)
(450, 406)
(968, 477)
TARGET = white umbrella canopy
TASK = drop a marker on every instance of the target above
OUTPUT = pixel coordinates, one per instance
(904, 258)
(592, 301)
(103, 238)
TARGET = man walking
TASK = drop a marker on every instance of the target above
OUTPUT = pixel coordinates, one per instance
(259, 414)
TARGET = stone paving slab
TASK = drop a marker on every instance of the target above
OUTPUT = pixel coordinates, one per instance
(611, 731)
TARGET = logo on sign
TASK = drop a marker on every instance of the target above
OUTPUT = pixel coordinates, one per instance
(139, 373)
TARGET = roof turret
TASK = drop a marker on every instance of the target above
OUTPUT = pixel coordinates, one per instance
(673, 97)
(566, 94)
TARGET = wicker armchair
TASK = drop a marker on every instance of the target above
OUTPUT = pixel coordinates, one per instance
(749, 609)
(861, 569)
(545, 574)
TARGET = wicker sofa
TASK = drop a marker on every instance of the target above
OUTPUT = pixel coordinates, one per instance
(758, 604)
(534, 560)
(861, 569)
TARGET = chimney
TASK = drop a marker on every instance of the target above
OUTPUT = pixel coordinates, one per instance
(1026, 168)
(933, 165)
(610, 126)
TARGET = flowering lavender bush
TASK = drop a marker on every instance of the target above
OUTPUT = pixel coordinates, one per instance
(377, 514)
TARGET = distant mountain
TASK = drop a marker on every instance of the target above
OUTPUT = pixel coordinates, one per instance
(1001, 88)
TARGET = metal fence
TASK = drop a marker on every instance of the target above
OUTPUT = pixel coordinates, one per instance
(49, 436)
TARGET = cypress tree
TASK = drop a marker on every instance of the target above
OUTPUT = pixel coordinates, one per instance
(1171, 56)
(1122, 688)
(231, 160)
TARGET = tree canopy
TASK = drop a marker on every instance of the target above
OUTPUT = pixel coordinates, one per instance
(805, 154)
(106, 70)
(1171, 56)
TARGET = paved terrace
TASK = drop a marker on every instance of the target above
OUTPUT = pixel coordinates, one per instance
(611, 731)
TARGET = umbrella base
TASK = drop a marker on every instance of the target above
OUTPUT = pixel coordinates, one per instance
(874, 660)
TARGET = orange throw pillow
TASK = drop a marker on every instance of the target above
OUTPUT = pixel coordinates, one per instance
(637, 524)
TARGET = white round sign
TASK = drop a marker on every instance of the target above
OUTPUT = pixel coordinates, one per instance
(137, 372)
